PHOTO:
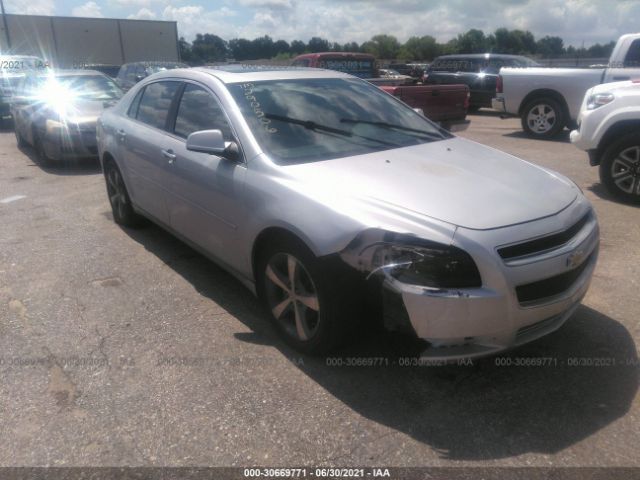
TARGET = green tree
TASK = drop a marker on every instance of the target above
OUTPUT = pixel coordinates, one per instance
(186, 55)
(317, 44)
(472, 41)
(209, 48)
(420, 48)
(550, 46)
(297, 47)
(383, 46)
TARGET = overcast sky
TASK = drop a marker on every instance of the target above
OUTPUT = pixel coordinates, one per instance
(576, 21)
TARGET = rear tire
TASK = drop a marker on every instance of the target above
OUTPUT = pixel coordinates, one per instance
(543, 118)
(305, 298)
(620, 168)
(123, 213)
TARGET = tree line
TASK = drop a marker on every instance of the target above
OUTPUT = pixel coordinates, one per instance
(207, 48)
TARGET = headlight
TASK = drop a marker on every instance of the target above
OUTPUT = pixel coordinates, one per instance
(436, 266)
(598, 99)
(412, 260)
(54, 127)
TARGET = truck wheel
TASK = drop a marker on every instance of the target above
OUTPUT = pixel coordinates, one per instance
(620, 168)
(543, 118)
(302, 297)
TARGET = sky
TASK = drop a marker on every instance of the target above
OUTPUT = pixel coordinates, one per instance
(578, 22)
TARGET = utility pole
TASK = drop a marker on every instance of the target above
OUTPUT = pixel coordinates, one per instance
(6, 26)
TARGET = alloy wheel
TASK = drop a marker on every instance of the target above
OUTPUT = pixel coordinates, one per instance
(625, 170)
(117, 192)
(541, 118)
(292, 296)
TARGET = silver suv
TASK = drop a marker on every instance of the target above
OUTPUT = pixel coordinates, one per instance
(324, 194)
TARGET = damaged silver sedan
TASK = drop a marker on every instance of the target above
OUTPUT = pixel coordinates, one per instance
(341, 207)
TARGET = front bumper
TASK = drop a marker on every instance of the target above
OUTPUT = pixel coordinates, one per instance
(476, 322)
(71, 144)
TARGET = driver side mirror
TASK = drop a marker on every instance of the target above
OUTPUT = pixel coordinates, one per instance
(212, 142)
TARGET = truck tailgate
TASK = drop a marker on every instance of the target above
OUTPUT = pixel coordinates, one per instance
(438, 102)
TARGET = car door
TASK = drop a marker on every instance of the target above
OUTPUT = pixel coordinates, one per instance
(205, 191)
(143, 135)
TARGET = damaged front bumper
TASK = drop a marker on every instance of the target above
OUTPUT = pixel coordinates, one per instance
(518, 301)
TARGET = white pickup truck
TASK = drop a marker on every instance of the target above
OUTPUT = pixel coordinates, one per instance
(609, 130)
(548, 99)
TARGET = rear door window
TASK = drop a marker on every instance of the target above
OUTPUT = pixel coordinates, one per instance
(155, 103)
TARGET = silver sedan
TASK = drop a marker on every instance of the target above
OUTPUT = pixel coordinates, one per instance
(340, 207)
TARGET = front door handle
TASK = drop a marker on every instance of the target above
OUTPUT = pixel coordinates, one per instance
(169, 155)
(121, 134)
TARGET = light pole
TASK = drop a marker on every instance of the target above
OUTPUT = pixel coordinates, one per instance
(6, 26)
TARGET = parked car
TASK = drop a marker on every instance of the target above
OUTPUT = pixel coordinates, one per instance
(443, 104)
(56, 113)
(609, 130)
(395, 75)
(549, 99)
(323, 194)
(361, 65)
(131, 73)
(13, 68)
(108, 69)
(478, 71)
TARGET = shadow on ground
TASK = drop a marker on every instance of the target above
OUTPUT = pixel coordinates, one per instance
(599, 190)
(478, 412)
(562, 137)
(83, 166)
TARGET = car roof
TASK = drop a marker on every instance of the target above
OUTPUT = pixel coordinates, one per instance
(235, 73)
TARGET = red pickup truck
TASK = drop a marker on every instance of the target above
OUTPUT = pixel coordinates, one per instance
(446, 104)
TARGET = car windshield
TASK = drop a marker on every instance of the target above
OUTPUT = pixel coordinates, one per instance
(306, 120)
(89, 87)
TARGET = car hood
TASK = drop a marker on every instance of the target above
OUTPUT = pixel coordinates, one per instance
(455, 181)
(87, 111)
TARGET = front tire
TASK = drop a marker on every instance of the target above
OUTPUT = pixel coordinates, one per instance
(620, 168)
(543, 118)
(304, 298)
(38, 146)
(123, 213)
(19, 138)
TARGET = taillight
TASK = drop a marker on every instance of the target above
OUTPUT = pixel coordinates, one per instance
(499, 84)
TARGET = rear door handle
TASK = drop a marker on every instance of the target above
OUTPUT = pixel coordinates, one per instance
(169, 155)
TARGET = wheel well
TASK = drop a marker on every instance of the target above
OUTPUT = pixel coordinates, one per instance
(268, 237)
(614, 132)
(545, 93)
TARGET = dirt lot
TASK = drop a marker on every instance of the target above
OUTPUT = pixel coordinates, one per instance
(125, 347)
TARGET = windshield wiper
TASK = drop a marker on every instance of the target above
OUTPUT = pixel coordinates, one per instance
(317, 127)
(393, 126)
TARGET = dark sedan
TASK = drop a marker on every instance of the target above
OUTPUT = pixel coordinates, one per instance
(479, 71)
(57, 113)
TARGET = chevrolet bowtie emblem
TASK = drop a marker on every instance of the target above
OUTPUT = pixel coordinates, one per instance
(575, 259)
